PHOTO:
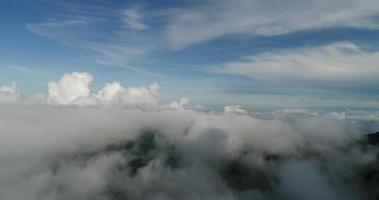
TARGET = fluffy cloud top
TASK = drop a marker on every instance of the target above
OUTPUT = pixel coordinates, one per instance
(234, 109)
(75, 89)
(337, 63)
(69, 88)
(10, 94)
(178, 105)
(268, 17)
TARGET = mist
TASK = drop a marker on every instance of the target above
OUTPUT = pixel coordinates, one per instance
(50, 152)
(123, 143)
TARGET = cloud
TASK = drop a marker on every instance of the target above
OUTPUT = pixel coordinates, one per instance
(267, 18)
(55, 29)
(86, 27)
(237, 109)
(337, 64)
(133, 19)
(10, 94)
(80, 153)
(140, 97)
(120, 142)
(110, 90)
(121, 54)
(69, 88)
(302, 180)
(30, 71)
(75, 89)
(177, 105)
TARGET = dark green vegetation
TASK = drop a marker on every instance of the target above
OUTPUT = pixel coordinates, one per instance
(137, 153)
(241, 177)
(369, 174)
(373, 138)
(237, 174)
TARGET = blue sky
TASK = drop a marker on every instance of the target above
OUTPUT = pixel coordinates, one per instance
(256, 53)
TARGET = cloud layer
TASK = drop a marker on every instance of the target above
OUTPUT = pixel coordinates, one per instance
(89, 153)
(341, 64)
(121, 143)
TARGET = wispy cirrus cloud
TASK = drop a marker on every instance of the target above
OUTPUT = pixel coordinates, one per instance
(57, 29)
(214, 19)
(198, 22)
(30, 71)
(134, 19)
(109, 34)
(337, 64)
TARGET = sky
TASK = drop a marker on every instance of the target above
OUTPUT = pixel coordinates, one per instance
(254, 53)
(189, 99)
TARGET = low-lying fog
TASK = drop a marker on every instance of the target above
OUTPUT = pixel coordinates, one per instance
(122, 143)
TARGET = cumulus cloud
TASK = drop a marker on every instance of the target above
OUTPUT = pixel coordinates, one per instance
(75, 89)
(142, 97)
(109, 91)
(341, 64)
(262, 17)
(69, 88)
(237, 109)
(10, 94)
(177, 105)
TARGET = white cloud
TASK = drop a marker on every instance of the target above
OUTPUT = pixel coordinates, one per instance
(302, 180)
(118, 48)
(268, 17)
(342, 64)
(57, 29)
(59, 153)
(110, 91)
(133, 19)
(78, 92)
(62, 152)
(146, 98)
(10, 94)
(236, 109)
(177, 105)
(75, 89)
(30, 71)
(69, 88)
